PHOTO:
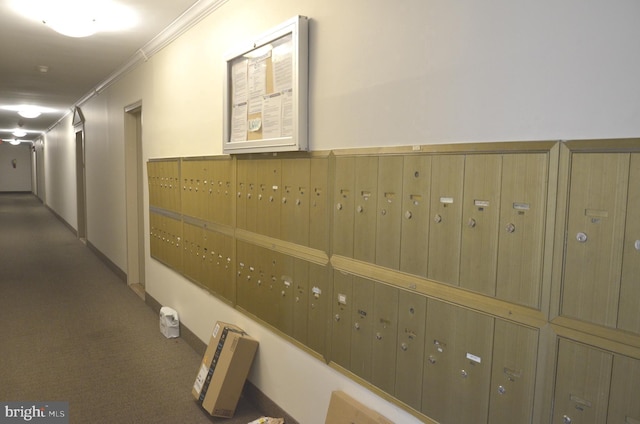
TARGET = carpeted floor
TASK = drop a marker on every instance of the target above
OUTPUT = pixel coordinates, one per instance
(72, 331)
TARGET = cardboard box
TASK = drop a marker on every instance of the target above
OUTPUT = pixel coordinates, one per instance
(224, 369)
(343, 409)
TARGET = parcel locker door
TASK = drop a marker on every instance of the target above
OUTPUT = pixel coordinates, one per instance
(480, 216)
(457, 366)
(364, 227)
(595, 229)
(300, 292)
(294, 225)
(513, 375)
(319, 204)
(629, 313)
(447, 176)
(416, 178)
(583, 378)
(624, 406)
(385, 336)
(342, 314)
(412, 317)
(522, 215)
(319, 308)
(344, 204)
(362, 328)
(389, 221)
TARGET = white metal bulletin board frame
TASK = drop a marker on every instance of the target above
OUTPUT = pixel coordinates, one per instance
(266, 92)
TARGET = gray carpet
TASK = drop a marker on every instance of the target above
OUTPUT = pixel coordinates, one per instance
(72, 331)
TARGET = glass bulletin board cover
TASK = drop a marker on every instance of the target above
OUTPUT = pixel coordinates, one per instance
(265, 96)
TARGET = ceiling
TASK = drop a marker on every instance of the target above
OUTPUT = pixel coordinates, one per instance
(74, 66)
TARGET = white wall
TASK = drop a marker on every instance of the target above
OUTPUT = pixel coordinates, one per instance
(60, 171)
(18, 178)
(381, 74)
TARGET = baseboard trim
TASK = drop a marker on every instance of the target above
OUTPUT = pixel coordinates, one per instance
(250, 392)
(112, 266)
(61, 219)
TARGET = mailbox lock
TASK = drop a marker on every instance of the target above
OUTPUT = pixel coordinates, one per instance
(581, 237)
(378, 336)
(404, 347)
(360, 209)
(566, 419)
(432, 359)
(464, 373)
(471, 223)
(438, 218)
(356, 325)
(298, 202)
(510, 228)
(408, 214)
(637, 245)
(337, 317)
(383, 212)
(259, 196)
(339, 206)
(501, 390)
(284, 200)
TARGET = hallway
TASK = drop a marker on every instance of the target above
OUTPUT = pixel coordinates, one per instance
(73, 331)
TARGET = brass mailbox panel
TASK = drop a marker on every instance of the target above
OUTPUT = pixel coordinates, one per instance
(320, 304)
(319, 204)
(361, 362)
(344, 205)
(513, 374)
(385, 336)
(521, 229)
(342, 311)
(480, 216)
(595, 228)
(625, 387)
(447, 177)
(583, 378)
(294, 200)
(457, 363)
(416, 179)
(389, 210)
(412, 317)
(628, 316)
(366, 194)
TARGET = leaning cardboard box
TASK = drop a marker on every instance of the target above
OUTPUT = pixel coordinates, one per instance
(224, 369)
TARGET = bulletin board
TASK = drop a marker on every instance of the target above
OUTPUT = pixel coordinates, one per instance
(265, 96)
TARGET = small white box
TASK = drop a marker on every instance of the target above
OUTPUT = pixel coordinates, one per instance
(169, 322)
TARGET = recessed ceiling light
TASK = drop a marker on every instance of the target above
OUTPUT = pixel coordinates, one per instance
(28, 111)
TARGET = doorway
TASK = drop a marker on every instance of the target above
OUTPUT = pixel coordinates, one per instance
(134, 195)
(81, 194)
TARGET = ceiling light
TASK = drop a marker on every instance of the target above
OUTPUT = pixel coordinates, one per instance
(29, 112)
(78, 18)
(14, 142)
(19, 133)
